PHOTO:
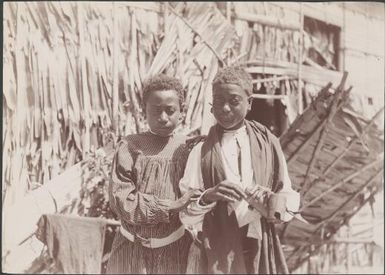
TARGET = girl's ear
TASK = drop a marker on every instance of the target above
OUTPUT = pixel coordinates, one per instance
(144, 111)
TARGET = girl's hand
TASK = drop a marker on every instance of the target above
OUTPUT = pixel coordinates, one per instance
(185, 200)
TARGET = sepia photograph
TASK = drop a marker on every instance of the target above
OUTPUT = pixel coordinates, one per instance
(217, 137)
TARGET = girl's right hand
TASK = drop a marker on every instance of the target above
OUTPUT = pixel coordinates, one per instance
(185, 200)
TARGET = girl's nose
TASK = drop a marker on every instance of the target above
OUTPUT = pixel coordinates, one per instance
(163, 118)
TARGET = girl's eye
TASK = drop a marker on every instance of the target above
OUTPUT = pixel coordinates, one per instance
(170, 110)
(234, 101)
(217, 101)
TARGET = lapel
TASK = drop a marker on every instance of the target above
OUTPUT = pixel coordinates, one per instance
(255, 147)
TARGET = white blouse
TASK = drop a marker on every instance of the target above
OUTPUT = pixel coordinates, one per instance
(192, 216)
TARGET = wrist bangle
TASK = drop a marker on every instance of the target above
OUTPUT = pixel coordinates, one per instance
(202, 201)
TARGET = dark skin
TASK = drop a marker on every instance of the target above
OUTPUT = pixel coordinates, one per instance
(230, 106)
(163, 112)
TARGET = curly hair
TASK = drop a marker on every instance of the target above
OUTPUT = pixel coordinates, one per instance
(234, 75)
(162, 82)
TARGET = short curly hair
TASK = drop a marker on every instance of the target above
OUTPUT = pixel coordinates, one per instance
(234, 75)
(162, 82)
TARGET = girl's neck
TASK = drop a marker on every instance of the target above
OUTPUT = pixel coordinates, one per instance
(155, 134)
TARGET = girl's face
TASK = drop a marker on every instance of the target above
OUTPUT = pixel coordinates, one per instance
(230, 105)
(163, 111)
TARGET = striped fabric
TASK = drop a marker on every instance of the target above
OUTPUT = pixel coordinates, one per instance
(144, 181)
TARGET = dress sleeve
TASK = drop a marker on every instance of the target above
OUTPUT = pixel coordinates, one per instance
(130, 205)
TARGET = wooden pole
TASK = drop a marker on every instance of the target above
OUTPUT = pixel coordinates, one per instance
(115, 88)
(370, 181)
(315, 131)
(301, 261)
(347, 251)
(265, 20)
(300, 53)
(324, 132)
(228, 17)
(343, 181)
(364, 131)
(263, 96)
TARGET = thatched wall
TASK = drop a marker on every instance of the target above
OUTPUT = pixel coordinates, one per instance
(73, 74)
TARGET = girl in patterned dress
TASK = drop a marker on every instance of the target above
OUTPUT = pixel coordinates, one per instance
(144, 189)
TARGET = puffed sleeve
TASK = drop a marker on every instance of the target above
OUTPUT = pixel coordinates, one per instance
(130, 205)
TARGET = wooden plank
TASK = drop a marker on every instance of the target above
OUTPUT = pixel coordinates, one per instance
(317, 76)
(264, 96)
(266, 20)
(272, 79)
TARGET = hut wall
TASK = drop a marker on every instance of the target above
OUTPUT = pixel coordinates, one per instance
(361, 48)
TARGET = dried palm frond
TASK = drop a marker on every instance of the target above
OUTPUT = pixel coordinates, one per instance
(73, 73)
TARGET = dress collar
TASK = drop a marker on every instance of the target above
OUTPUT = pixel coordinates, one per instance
(155, 134)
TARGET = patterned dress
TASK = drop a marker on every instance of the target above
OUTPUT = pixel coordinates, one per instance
(144, 181)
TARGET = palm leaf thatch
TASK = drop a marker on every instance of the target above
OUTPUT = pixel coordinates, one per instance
(73, 74)
(73, 77)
